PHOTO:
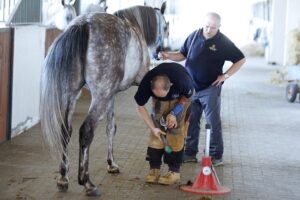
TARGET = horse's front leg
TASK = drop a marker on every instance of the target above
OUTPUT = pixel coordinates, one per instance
(111, 129)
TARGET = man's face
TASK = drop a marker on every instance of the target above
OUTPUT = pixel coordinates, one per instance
(159, 92)
(211, 27)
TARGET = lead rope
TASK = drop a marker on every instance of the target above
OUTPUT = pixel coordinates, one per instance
(187, 56)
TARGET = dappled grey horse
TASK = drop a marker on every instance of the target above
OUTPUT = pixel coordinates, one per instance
(107, 54)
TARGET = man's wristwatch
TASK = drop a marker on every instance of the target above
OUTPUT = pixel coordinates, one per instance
(226, 76)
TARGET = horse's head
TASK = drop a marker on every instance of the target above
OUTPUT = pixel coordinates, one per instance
(65, 15)
(162, 31)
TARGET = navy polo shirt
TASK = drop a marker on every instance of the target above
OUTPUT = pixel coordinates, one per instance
(182, 84)
(207, 57)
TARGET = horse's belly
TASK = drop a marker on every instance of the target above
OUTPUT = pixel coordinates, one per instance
(133, 62)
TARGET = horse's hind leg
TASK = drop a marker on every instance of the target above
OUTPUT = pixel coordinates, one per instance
(63, 181)
(86, 135)
(110, 132)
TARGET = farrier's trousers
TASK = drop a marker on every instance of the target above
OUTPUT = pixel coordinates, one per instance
(176, 137)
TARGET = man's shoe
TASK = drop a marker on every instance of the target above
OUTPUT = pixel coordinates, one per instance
(188, 158)
(169, 178)
(153, 175)
(217, 162)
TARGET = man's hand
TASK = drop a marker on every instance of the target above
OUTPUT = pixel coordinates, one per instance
(221, 78)
(175, 56)
(163, 55)
(171, 121)
(157, 132)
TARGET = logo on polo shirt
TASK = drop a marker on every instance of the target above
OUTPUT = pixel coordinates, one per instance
(213, 47)
(175, 96)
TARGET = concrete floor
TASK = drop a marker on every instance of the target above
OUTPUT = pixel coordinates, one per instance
(261, 136)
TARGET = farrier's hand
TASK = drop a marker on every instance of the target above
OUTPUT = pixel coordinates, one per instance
(157, 132)
(221, 78)
(171, 121)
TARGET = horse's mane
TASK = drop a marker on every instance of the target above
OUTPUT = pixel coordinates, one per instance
(143, 17)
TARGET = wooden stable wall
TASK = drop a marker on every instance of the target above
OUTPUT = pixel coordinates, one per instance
(51, 34)
(5, 68)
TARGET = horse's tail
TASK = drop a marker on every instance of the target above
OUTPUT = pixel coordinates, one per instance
(63, 67)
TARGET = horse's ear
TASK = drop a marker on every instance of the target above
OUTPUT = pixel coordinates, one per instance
(102, 4)
(163, 7)
(72, 3)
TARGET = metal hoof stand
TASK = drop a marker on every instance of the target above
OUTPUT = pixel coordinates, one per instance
(207, 181)
(293, 87)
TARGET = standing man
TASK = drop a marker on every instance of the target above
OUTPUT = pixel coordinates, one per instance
(205, 51)
(171, 88)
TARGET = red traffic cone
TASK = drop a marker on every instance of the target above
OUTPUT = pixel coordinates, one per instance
(206, 182)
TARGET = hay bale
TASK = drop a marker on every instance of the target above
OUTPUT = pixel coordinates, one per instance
(294, 47)
(278, 77)
(253, 49)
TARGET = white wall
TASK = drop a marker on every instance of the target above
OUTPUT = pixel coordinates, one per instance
(29, 52)
(155, 3)
(114, 5)
(292, 22)
(188, 16)
(275, 50)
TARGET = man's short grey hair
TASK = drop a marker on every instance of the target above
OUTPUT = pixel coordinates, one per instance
(214, 15)
(161, 81)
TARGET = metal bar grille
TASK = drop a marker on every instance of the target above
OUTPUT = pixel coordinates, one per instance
(21, 11)
(6, 7)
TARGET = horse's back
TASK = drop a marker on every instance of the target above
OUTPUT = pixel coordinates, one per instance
(113, 47)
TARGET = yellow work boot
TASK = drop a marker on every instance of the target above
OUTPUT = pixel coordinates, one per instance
(152, 176)
(169, 178)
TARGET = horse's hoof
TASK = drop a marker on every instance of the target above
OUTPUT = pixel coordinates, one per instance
(113, 170)
(93, 192)
(62, 186)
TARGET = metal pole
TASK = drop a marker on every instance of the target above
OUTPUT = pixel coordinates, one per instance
(207, 127)
(4, 11)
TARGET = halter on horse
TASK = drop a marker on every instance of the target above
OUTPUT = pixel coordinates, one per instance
(85, 54)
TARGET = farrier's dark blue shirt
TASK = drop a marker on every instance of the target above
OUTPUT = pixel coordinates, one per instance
(182, 84)
(207, 57)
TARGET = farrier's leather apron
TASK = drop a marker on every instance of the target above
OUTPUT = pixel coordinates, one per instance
(175, 137)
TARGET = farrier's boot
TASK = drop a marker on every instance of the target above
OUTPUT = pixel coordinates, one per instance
(169, 178)
(153, 175)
